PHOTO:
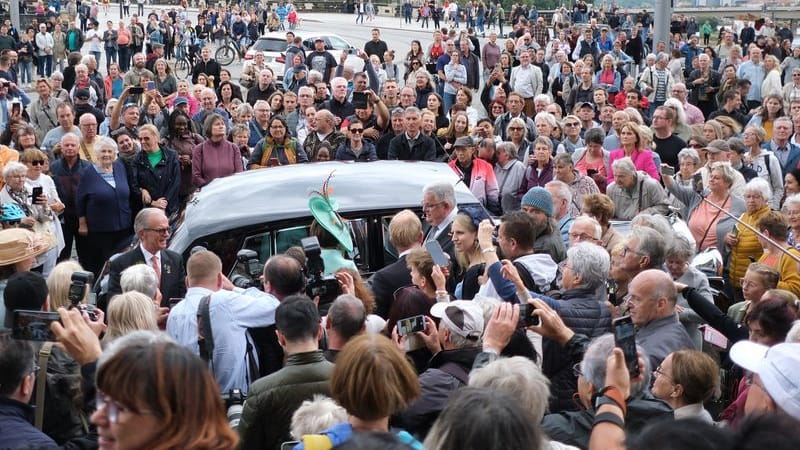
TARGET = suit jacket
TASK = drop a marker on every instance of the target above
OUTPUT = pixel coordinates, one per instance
(387, 280)
(173, 274)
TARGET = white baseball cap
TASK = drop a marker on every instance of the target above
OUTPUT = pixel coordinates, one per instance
(777, 366)
(462, 317)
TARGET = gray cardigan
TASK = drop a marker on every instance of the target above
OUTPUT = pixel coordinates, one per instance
(692, 199)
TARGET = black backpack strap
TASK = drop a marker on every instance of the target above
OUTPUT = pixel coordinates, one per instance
(526, 277)
(456, 371)
(251, 359)
(205, 338)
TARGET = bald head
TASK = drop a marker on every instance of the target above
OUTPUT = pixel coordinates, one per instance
(283, 276)
(651, 296)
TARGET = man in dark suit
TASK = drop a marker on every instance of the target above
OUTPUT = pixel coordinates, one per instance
(405, 234)
(440, 209)
(152, 227)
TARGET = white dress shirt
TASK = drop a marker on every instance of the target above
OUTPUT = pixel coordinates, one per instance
(231, 313)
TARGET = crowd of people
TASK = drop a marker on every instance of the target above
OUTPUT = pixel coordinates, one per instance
(507, 345)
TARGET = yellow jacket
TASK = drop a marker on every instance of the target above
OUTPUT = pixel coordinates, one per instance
(747, 247)
(788, 268)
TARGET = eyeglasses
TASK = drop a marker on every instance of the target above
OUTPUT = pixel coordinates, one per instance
(37, 162)
(516, 128)
(276, 127)
(626, 249)
(158, 230)
(357, 130)
(576, 370)
(113, 409)
(580, 237)
(572, 124)
(746, 283)
(660, 372)
(427, 206)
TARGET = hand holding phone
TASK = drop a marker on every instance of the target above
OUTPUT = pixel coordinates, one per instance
(437, 254)
(625, 339)
(36, 193)
(34, 325)
(667, 170)
(411, 325)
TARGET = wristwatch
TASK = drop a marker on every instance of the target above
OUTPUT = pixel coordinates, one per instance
(610, 395)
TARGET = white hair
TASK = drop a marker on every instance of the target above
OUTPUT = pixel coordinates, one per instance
(591, 262)
(519, 377)
(759, 186)
(140, 278)
(316, 415)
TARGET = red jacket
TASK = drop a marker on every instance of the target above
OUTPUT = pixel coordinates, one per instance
(482, 183)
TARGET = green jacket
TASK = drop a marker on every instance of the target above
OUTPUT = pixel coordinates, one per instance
(272, 400)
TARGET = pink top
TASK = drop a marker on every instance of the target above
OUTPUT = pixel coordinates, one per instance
(643, 160)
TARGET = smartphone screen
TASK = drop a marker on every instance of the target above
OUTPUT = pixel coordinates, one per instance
(136, 90)
(36, 193)
(667, 171)
(173, 302)
(438, 255)
(360, 100)
(273, 162)
(410, 325)
(34, 325)
(625, 338)
(151, 85)
(526, 316)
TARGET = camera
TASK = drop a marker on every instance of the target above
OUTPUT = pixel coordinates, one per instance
(326, 287)
(234, 404)
(248, 270)
(80, 282)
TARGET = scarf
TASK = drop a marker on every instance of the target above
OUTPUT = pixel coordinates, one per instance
(289, 149)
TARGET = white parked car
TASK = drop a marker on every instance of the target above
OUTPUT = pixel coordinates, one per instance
(273, 46)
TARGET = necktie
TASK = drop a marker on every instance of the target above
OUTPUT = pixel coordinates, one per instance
(156, 267)
(432, 234)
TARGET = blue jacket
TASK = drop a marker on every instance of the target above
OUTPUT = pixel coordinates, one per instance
(345, 153)
(17, 429)
(584, 313)
(106, 209)
(792, 162)
(66, 180)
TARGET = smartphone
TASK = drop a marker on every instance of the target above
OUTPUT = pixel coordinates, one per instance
(151, 85)
(360, 100)
(273, 162)
(697, 182)
(34, 325)
(667, 171)
(625, 338)
(173, 302)
(289, 445)
(16, 109)
(526, 316)
(36, 193)
(438, 255)
(410, 325)
(136, 90)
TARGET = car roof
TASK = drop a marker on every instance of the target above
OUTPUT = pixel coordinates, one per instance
(273, 35)
(281, 193)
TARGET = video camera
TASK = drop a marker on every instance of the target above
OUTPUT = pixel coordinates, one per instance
(234, 404)
(248, 270)
(79, 283)
(326, 287)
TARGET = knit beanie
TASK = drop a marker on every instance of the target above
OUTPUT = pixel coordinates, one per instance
(539, 198)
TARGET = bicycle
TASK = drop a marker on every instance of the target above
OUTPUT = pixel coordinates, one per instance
(226, 54)
(185, 65)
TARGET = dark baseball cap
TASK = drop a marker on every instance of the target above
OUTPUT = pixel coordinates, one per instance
(82, 94)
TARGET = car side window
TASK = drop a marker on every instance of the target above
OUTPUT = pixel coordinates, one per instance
(290, 237)
(335, 43)
(260, 243)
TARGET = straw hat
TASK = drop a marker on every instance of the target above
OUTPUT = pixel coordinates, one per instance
(18, 244)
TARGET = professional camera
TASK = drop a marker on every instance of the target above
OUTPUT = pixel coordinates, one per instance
(326, 287)
(80, 282)
(248, 270)
(234, 403)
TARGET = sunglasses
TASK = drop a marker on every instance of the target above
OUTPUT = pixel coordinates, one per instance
(37, 162)
(357, 130)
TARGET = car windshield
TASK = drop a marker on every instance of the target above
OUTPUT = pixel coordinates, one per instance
(270, 45)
